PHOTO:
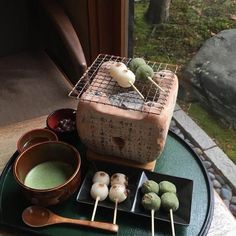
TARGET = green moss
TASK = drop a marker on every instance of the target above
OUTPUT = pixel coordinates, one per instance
(188, 28)
(177, 41)
(224, 137)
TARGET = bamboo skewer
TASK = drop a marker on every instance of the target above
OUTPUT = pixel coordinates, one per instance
(172, 223)
(152, 222)
(136, 90)
(98, 192)
(151, 80)
(117, 194)
(115, 212)
(95, 208)
(124, 77)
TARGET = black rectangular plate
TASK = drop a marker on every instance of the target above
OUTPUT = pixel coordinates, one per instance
(132, 173)
(184, 194)
(133, 202)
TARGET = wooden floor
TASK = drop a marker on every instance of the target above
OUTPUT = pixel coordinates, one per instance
(31, 85)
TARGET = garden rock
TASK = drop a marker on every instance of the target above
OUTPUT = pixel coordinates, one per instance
(220, 179)
(216, 184)
(226, 194)
(212, 76)
(198, 151)
(207, 164)
(212, 177)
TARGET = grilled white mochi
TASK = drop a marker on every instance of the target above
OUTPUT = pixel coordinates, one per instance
(123, 76)
(118, 192)
(101, 177)
(119, 178)
(99, 190)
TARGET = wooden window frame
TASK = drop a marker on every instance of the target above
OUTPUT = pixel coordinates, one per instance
(108, 27)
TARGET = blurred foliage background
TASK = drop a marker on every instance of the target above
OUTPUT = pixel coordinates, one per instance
(190, 24)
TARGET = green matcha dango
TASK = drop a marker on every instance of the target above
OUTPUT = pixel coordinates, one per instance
(150, 186)
(144, 72)
(169, 201)
(151, 201)
(166, 186)
(135, 63)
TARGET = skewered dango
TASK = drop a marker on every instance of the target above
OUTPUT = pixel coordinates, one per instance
(152, 202)
(143, 72)
(124, 77)
(118, 193)
(135, 63)
(150, 186)
(116, 68)
(101, 177)
(166, 186)
(169, 201)
(146, 72)
(98, 192)
(119, 178)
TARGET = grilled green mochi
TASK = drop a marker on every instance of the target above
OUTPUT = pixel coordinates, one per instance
(151, 201)
(150, 186)
(169, 201)
(143, 72)
(166, 186)
(135, 63)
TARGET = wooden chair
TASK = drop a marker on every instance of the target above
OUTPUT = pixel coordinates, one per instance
(34, 81)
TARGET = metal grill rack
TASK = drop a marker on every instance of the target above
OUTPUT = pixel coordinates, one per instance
(96, 79)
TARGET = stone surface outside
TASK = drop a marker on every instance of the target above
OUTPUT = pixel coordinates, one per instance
(195, 133)
(221, 170)
(212, 75)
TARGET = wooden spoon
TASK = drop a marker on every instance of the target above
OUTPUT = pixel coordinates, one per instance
(36, 216)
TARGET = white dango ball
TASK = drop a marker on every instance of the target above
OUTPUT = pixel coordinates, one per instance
(119, 178)
(99, 190)
(118, 192)
(123, 76)
(101, 177)
(116, 68)
(126, 78)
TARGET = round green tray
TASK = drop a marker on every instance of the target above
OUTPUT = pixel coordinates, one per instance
(177, 159)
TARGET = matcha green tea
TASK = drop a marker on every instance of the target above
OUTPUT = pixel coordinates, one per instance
(48, 175)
